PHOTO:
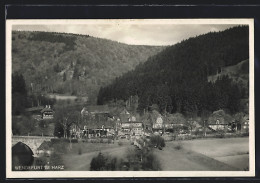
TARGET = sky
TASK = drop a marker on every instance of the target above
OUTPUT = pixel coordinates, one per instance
(133, 34)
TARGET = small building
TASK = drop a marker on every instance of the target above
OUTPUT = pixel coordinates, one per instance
(95, 109)
(137, 128)
(47, 112)
(124, 116)
(245, 124)
(218, 125)
(158, 125)
(99, 113)
(132, 128)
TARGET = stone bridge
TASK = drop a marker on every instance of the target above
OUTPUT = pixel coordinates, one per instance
(32, 141)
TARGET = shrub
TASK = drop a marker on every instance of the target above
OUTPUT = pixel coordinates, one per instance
(221, 134)
(41, 161)
(157, 141)
(56, 140)
(61, 147)
(178, 146)
(120, 143)
(150, 162)
(79, 151)
(74, 140)
(56, 159)
(103, 163)
(97, 163)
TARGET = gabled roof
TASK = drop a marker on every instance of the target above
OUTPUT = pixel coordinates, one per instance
(97, 109)
(46, 110)
(124, 111)
(33, 109)
(93, 125)
(131, 122)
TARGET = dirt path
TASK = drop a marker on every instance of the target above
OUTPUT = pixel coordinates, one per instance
(82, 162)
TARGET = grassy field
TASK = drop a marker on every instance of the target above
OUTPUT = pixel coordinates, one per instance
(81, 162)
(206, 154)
(230, 154)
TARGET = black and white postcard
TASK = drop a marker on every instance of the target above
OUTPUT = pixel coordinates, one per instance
(130, 98)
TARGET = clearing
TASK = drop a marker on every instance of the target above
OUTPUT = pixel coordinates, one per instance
(228, 154)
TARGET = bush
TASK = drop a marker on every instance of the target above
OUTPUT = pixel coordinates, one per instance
(178, 146)
(97, 163)
(61, 146)
(55, 140)
(41, 161)
(56, 159)
(120, 143)
(74, 140)
(221, 134)
(150, 162)
(79, 151)
(157, 141)
(103, 163)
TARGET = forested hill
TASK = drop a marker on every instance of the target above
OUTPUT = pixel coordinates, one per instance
(72, 64)
(176, 79)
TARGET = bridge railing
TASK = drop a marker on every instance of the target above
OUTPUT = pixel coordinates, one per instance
(34, 137)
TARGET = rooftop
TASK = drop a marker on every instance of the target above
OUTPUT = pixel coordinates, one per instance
(96, 109)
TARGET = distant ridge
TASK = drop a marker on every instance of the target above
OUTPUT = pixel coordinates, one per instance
(73, 64)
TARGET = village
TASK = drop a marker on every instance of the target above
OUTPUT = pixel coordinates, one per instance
(98, 122)
(123, 107)
(98, 128)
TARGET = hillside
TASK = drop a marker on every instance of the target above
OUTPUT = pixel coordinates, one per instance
(239, 74)
(72, 64)
(176, 79)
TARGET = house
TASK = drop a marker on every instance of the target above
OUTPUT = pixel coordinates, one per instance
(95, 109)
(125, 128)
(245, 124)
(132, 128)
(124, 115)
(158, 125)
(34, 110)
(97, 112)
(219, 121)
(96, 129)
(218, 125)
(47, 112)
(137, 128)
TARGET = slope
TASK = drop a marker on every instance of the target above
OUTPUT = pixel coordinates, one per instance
(176, 79)
(72, 64)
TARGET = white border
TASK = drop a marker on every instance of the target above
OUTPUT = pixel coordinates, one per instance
(88, 174)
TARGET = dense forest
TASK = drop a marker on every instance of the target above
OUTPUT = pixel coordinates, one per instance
(176, 79)
(72, 64)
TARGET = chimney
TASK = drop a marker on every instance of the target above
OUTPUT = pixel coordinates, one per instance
(49, 106)
(46, 106)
